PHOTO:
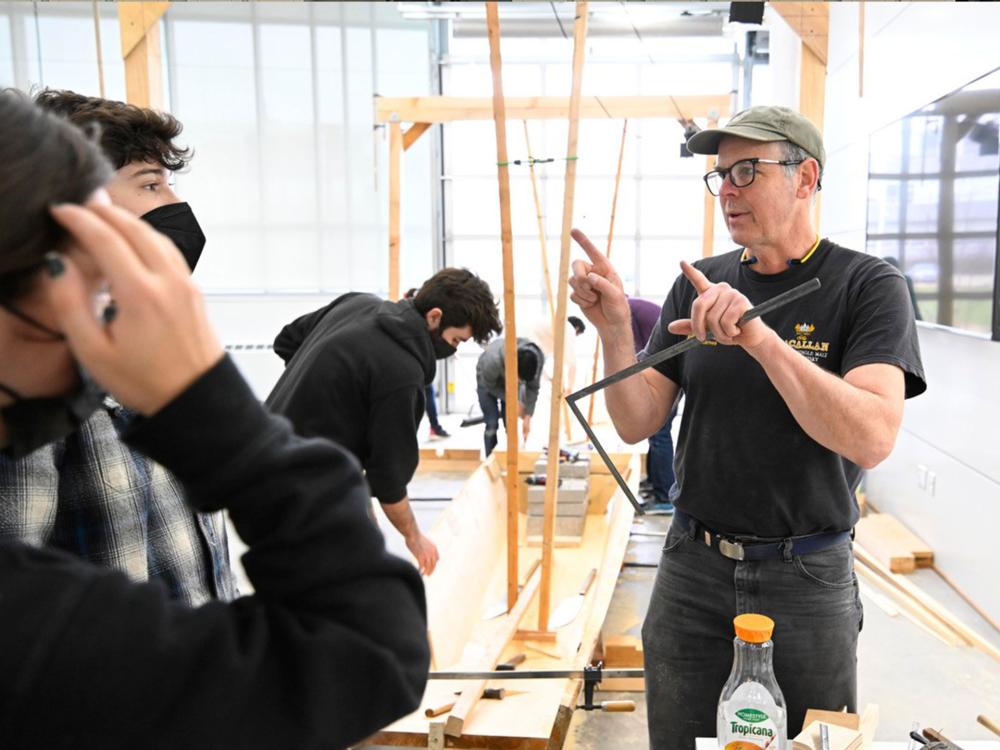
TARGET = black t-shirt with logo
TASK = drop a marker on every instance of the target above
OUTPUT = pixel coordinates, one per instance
(743, 464)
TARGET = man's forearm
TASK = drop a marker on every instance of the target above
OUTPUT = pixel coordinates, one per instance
(401, 516)
(633, 405)
(855, 423)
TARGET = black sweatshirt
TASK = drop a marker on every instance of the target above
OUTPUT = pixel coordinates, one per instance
(355, 373)
(329, 649)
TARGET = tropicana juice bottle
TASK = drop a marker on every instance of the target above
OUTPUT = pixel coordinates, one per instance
(752, 713)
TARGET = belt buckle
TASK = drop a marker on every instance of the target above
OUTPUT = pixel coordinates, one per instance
(732, 550)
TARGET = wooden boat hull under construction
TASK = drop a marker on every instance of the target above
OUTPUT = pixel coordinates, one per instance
(471, 579)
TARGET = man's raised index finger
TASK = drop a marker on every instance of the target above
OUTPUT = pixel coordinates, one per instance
(596, 256)
(698, 280)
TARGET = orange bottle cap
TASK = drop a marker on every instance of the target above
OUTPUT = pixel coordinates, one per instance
(753, 628)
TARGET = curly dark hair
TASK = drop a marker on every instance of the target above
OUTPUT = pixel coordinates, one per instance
(127, 133)
(43, 160)
(464, 299)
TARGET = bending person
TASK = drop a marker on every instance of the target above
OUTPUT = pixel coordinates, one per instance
(490, 387)
(356, 370)
(330, 647)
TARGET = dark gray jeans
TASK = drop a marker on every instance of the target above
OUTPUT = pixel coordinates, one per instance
(688, 633)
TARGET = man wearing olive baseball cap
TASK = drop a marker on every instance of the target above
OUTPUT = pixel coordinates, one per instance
(780, 419)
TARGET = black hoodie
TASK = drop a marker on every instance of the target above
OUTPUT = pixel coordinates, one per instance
(355, 373)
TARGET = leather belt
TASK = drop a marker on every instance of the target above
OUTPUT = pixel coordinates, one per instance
(742, 548)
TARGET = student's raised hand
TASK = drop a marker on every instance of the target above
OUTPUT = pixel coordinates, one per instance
(597, 289)
(717, 310)
(159, 341)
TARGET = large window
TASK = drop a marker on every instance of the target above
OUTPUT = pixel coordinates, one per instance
(933, 192)
(660, 211)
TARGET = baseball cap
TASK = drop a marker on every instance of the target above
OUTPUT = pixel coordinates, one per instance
(764, 124)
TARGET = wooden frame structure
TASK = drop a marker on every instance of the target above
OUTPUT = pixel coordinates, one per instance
(422, 112)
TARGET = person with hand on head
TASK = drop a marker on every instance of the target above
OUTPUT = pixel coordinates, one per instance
(356, 370)
(87, 492)
(491, 372)
(782, 415)
(93, 660)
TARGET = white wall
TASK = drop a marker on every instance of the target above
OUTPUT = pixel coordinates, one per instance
(943, 479)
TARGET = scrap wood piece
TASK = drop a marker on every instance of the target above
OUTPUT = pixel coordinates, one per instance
(913, 610)
(623, 651)
(895, 546)
(502, 635)
(932, 605)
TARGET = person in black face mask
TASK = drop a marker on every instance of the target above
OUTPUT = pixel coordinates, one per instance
(92, 660)
(72, 483)
(356, 370)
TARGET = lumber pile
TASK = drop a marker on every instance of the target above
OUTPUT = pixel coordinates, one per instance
(892, 544)
(916, 605)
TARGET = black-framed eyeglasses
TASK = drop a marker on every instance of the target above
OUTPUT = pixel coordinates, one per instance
(741, 174)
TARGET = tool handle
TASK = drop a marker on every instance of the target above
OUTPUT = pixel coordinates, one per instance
(511, 663)
(430, 713)
(618, 706)
(588, 582)
(991, 724)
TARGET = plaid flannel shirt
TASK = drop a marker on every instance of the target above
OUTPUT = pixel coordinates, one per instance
(93, 496)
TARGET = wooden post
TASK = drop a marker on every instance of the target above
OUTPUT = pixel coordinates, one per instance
(552, 471)
(545, 263)
(395, 157)
(708, 229)
(611, 234)
(510, 331)
(811, 21)
(97, 43)
(140, 35)
(541, 226)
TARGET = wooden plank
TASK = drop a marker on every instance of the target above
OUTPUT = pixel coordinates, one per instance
(510, 330)
(967, 599)
(470, 538)
(913, 611)
(413, 132)
(812, 94)
(395, 157)
(894, 545)
(611, 234)
(140, 36)
(569, 192)
(456, 108)
(708, 222)
(492, 652)
(928, 602)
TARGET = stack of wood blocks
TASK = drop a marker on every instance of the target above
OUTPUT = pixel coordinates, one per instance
(572, 497)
